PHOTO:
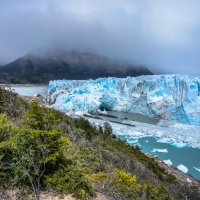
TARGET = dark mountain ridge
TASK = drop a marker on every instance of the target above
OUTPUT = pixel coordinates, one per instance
(41, 68)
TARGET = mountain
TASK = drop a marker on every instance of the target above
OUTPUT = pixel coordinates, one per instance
(43, 67)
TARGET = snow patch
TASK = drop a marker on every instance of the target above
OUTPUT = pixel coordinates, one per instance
(132, 141)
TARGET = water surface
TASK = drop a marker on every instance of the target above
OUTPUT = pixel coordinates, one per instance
(30, 90)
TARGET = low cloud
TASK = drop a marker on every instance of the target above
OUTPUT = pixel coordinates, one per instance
(163, 35)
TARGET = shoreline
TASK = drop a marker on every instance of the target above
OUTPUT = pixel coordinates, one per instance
(180, 176)
(23, 85)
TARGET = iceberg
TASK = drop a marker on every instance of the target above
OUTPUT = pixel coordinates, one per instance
(167, 162)
(198, 169)
(169, 97)
(159, 150)
(182, 168)
(173, 142)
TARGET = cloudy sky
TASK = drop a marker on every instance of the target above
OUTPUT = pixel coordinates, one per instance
(164, 35)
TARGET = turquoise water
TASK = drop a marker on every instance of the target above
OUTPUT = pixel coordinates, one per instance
(30, 90)
(187, 156)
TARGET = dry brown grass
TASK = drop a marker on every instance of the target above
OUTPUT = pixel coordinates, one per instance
(15, 194)
(68, 197)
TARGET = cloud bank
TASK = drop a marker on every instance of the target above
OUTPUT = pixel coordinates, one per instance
(163, 35)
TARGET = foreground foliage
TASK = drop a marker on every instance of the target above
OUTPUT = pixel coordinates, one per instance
(42, 149)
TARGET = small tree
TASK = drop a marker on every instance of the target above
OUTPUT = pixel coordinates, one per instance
(107, 129)
(100, 129)
(33, 148)
(1, 100)
(39, 155)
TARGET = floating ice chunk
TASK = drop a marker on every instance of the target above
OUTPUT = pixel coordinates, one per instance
(147, 141)
(183, 168)
(173, 142)
(198, 169)
(160, 150)
(180, 144)
(167, 162)
(132, 141)
(102, 111)
(140, 130)
(165, 140)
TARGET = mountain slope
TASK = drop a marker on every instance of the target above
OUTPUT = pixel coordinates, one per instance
(41, 68)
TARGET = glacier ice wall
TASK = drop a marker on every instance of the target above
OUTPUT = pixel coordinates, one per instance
(171, 97)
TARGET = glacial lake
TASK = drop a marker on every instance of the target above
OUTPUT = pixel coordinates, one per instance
(187, 158)
(30, 90)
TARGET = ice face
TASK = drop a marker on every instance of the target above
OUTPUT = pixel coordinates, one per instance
(170, 97)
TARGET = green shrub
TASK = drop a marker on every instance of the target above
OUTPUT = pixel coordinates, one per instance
(99, 177)
(124, 181)
(152, 192)
(70, 179)
(1, 100)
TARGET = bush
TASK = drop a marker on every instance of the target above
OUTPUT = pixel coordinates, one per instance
(70, 179)
(151, 192)
(89, 130)
(107, 129)
(1, 100)
(38, 154)
(124, 181)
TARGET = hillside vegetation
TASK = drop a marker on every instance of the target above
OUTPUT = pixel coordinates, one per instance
(42, 149)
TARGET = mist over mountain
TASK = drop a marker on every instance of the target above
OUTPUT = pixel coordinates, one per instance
(163, 35)
(37, 67)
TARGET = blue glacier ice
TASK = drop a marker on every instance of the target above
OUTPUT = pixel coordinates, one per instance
(170, 97)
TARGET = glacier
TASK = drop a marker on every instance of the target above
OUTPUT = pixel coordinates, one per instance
(168, 97)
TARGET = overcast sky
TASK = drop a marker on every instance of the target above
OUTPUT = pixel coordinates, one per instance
(164, 35)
